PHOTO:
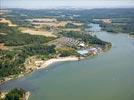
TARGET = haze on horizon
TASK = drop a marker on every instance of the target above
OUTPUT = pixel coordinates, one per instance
(48, 4)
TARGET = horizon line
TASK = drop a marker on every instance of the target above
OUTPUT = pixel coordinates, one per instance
(70, 7)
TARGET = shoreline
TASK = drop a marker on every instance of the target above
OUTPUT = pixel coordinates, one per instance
(55, 60)
(43, 65)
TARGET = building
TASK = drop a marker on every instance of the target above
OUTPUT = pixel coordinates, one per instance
(83, 52)
(81, 45)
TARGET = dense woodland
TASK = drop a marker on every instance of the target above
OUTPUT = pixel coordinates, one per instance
(26, 45)
(12, 62)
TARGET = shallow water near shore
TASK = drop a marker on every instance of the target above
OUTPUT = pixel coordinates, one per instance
(107, 76)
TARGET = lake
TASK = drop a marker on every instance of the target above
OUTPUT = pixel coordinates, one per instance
(107, 76)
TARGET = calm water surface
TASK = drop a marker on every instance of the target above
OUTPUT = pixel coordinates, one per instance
(108, 76)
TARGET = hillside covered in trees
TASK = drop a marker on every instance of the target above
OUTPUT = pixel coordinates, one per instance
(20, 46)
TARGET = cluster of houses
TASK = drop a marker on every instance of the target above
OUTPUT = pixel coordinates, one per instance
(70, 42)
(74, 42)
(82, 48)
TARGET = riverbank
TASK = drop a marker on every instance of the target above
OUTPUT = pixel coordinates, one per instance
(42, 65)
(55, 60)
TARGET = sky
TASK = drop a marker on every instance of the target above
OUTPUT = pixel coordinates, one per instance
(87, 4)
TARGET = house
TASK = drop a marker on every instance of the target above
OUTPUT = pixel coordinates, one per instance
(81, 45)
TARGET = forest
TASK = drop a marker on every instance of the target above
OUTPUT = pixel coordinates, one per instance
(25, 45)
(12, 62)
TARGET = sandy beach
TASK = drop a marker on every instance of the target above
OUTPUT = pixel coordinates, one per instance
(44, 64)
(54, 60)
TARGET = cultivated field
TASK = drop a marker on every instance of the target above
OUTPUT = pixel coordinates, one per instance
(37, 32)
(3, 20)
